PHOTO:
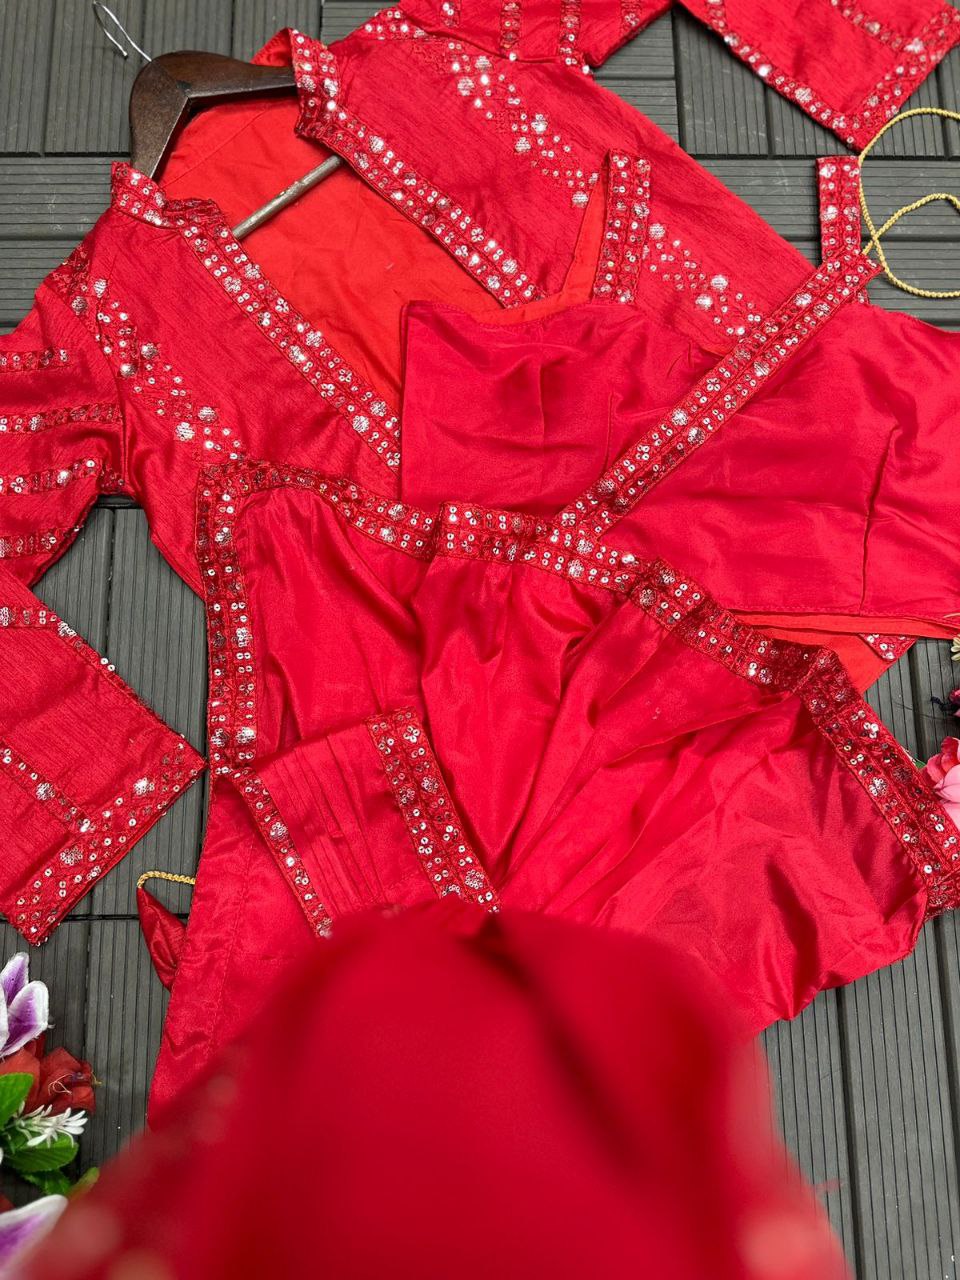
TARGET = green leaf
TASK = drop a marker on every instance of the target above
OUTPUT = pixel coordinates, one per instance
(51, 1182)
(14, 1088)
(49, 1155)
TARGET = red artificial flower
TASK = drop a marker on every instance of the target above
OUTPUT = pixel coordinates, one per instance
(65, 1081)
(59, 1079)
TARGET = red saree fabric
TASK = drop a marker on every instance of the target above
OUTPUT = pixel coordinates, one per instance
(445, 1094)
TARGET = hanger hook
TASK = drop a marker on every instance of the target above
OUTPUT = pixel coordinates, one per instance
(99, 10)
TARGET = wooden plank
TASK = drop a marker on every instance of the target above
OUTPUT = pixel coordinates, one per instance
(892, 697)
(720, 101)
(340, 17)
(793, 133)
(51, 197)
(903, 1137)
(928, 266)
(920, 135)
(806, 1066)
(23, 264)
(156, 640)
(948, 81)
(655, 98)
(934, 675)
(255, 21)
(90, 82)
(125, 1015)
(26, 28)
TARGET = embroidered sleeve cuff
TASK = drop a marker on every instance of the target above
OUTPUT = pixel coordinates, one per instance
(363, 817)
(85, 767)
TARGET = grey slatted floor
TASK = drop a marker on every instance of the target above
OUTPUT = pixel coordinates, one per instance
(866, 1080)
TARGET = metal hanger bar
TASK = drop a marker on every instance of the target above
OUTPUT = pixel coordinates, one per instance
(287, 196)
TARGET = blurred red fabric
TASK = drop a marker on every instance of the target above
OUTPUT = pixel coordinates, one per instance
(447, 1094)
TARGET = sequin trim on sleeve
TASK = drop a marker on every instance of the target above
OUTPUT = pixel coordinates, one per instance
(32, 361)
(625, 229)
(47, 419)
(435, 829)
(919, 54)
(93, 842)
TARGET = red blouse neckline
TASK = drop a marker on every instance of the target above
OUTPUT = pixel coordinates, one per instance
(202, 224)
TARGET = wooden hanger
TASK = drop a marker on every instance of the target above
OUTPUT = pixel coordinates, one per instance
(172, 85)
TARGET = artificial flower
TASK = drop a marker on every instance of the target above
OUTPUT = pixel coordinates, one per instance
(65, 1082)
(955, 649)
(44, 1126)
(59, 1079)
(24, 1005)
(943, 770)
(20, 1229)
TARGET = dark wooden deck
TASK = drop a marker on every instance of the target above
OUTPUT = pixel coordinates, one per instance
(867, 1080)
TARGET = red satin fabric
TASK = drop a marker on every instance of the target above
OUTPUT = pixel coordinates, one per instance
(420, 707)
(448, 1069)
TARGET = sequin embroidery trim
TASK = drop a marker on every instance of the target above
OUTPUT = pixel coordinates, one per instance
(31, 361)
(838, 183)
(325, 118)
(921, 53)
(435, 829)
(628, 208)
(890, 648)
(719, 395)
(865, 747)
(278, 839)
(47, 419)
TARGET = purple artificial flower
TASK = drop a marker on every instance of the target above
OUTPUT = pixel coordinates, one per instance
(24, 1006)
(20, 1229)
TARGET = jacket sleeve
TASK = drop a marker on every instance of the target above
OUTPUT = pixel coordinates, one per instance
(363, 817)
(577, 31)
(850, 70)
(85, 768)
